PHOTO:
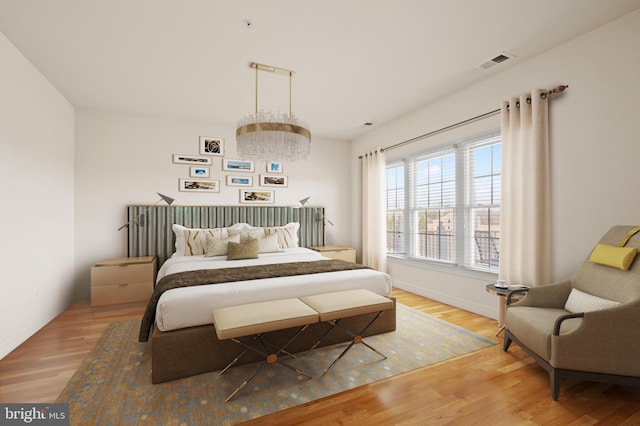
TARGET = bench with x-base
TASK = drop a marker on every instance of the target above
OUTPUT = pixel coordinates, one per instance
(256, 319)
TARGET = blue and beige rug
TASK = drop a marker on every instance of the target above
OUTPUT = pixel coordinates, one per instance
(113, 384)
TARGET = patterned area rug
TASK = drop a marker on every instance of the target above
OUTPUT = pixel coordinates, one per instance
(113, 384)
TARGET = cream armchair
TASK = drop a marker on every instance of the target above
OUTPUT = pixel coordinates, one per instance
(587, 327)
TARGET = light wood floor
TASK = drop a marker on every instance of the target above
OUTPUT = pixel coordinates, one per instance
(488, 387)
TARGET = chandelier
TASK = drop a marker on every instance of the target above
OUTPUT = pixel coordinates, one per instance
(273, 136)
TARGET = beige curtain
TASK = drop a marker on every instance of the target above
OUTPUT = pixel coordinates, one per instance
(374, 210)
(525, 237)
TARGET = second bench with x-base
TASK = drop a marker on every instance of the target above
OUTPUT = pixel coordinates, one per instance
(256, 319)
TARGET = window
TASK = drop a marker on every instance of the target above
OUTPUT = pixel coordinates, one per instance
(483, 202)
(395, 208)
(433, 213)
(444, 206)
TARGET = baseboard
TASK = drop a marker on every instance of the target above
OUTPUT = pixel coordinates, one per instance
(20, 336)
(467, 305)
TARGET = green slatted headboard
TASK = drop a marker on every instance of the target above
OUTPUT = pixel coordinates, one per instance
(152, 234)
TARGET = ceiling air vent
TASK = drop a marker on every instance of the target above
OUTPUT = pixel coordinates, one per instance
(495, 61)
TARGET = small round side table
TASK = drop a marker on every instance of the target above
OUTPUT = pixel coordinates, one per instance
(502, 293)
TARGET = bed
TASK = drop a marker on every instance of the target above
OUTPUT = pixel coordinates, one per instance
(193, 281)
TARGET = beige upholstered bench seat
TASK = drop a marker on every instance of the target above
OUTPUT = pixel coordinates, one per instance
(348, 303)
(261, 317)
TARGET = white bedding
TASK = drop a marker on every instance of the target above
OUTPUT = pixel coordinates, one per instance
(192, 306)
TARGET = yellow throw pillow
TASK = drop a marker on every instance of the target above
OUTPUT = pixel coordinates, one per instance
(617, 257)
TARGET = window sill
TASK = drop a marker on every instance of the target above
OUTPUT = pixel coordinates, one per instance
(443, 268)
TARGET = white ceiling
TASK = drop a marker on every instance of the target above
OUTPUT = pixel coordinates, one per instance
(356, 61)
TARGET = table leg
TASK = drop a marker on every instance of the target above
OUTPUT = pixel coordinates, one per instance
(502, 307)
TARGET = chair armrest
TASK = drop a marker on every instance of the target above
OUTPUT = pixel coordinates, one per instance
(545, 296)
(605, 341)
(623, 316)
(558, 322)
(515, 293)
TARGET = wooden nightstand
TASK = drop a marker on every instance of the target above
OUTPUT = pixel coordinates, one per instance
(337, 252)
(123, 280)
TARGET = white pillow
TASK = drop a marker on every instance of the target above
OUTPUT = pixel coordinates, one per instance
(238, 227)
(580, 301)
(246, 234)
(193, 241)
(268, 244)
(287, 234)
(219, 246)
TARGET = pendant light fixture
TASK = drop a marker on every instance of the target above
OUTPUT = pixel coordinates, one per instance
(273, 136)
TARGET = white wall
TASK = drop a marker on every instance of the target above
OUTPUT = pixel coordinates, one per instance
(36, 183)
(594, 130)
(125, 159)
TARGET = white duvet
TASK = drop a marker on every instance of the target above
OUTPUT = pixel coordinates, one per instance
(192, 306)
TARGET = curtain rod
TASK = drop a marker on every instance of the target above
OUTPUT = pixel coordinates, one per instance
(543, 95)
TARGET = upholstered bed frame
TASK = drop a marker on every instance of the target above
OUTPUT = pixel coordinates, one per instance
(195, 350)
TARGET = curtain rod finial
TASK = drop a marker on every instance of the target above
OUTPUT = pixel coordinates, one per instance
(560, 89)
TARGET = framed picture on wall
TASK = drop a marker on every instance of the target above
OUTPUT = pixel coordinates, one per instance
(239, 181)
(211, 146)
(273, 180)
(199, 185)
(192, 159)
(253, 196)
(274, 167)
(237, 165)
(201, 172)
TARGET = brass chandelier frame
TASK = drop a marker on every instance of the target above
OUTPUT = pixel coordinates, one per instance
(273, 126)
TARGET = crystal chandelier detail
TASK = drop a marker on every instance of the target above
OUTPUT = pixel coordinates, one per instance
(273, 136)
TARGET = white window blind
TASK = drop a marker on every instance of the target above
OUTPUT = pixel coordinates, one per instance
(434, 204)
(395, 208)
(484, 180)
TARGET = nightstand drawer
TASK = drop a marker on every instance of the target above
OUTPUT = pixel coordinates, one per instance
(124, 274)
(122, 293)
(337, 252)
(123, 280)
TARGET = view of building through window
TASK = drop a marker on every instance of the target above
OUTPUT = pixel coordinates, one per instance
(483, 201)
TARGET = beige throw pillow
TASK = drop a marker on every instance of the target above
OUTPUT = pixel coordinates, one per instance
(244, 250)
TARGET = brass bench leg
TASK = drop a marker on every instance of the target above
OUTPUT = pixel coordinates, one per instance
(247, 380)
(356, 338)
(270, 358)
(233, 362)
